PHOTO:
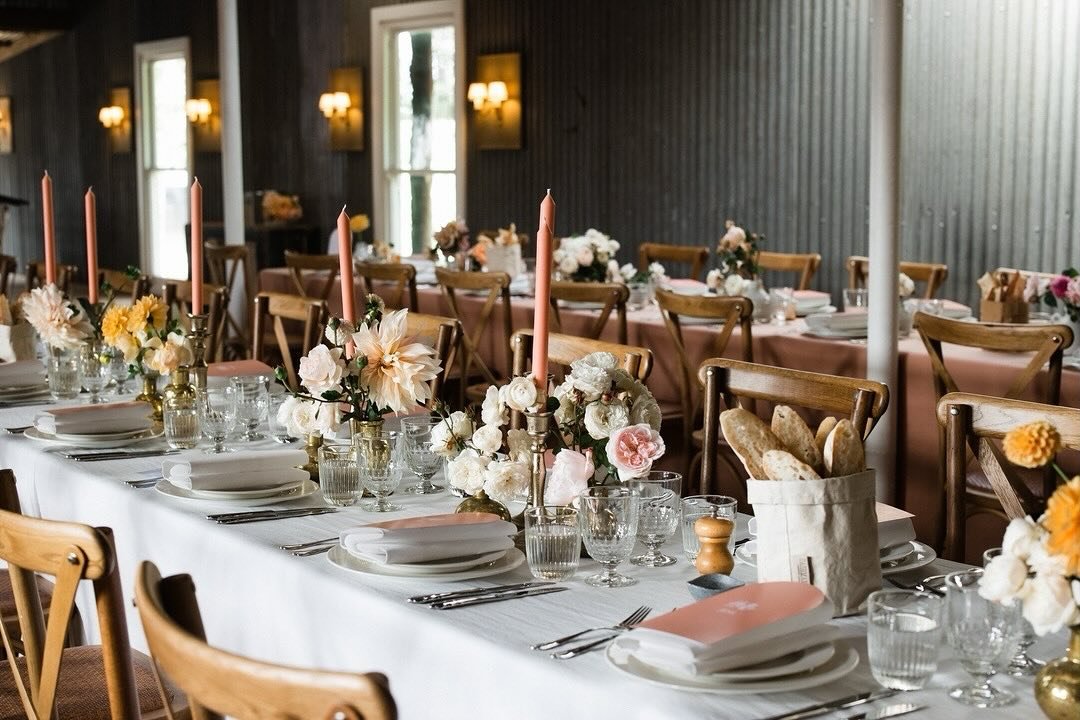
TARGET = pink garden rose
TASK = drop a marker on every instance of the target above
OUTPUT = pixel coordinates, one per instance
(568, 477)
(1059, 285)
(1072, 291)
(632, 450)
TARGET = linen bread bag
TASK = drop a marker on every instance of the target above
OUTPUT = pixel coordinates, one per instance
(814, 501)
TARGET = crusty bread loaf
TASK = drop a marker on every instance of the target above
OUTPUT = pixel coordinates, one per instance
(792, 430)
(750, 438)
(782, 465)
(844, 453)
(822, 434)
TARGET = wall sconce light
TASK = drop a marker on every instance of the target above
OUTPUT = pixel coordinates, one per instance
(115, 116)
(496, 99)
(5, 132)
(198, 110)
(343, 110)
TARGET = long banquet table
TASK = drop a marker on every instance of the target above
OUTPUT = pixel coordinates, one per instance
(464, 663)
(918, 488)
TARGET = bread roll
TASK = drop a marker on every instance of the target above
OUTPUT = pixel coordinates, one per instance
(749, 437)
(844, 453)
(782, 465)
(822, 434)
(796, 435)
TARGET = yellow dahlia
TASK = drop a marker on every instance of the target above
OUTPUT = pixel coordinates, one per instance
(1062, 521)
(114, 324)
(147, 310)
(1032, 445)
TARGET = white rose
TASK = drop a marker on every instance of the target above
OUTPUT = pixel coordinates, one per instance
(1043, 561)
(518, 444)
(628, 271)
(1022, 537)
(506, 480)
(714, 280)
(558, 256)
(447, 436)
(584, 256)
(487, 439)
(568, 266)
(601, 255)
(466, 471)
(1050, 605)
(1003, 579)
(303, 418)
(602, 419)
(519, 394)
(493, 411)
(905, 285)
(733, 285)
(657, 271)
(592, 374)
(327, 418)
(321, 369)
(340, 334)
(613, 272)
(646, 410)
(567, 478)
(567, 407)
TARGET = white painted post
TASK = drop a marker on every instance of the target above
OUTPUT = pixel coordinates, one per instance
(232, 150)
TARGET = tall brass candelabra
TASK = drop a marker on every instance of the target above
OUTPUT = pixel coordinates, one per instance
(198, 367)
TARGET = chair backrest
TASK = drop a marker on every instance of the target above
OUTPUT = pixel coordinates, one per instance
(219, 683)
(565, 349)
(403, 275)
(69, 553)
(276, 308)
(732, 383)
(610, 296)
(225, 264)
(728, 312)
(326, 266)
(1047, 342)
(974, 422)
(497, 287)
(444, 335)
(696, 257)
(933, 274)
(8, 266)
(176, 294)
(806, 264)
(65, 274)
(120, 282)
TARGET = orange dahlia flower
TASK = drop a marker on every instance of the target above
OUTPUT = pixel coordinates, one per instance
(1062, 521)
(1032, 445)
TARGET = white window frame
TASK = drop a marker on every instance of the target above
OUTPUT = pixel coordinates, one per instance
(385, 22)
(144, 52)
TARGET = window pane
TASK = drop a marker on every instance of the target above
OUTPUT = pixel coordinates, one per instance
(426, 93)
(419, 204)
(168, 91)
(168, 213)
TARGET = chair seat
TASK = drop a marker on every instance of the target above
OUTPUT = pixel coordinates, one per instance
(978, 485)
(7, 598)
(82, 693)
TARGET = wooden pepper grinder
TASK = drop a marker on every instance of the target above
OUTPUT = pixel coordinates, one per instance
(713, 533)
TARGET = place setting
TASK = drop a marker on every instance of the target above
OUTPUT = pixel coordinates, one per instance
(250, 478)
(122, 427)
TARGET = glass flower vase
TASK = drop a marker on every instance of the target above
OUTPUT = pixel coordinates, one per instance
(63, 372)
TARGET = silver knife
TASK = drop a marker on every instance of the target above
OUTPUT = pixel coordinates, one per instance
(888, 712)
(91, 457)
(496, 597)
(473, 591)
(841, 704)
(267, 515)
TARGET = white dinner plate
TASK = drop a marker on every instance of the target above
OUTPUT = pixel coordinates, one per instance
(341, 558)
(690, 290)
(250, 494)
(896, 552)
(446, 565)
(289, 492)
(91, 442)
(819, 310)
(18, 392)
(79, 437)
(918, 556)
(831, 334)
(839, 665)
(580, 305)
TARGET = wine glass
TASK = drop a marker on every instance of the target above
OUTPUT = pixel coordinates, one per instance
(984, 635)
(217, 415)
(419, 456)
(658, 515)
(279, 430)
(252, 399)
(609, 520)
(119, 370)
(380, 460)
(94, 371)
(1022, 664)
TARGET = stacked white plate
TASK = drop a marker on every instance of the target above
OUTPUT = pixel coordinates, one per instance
(837, 325)
(445, 570)
(808, 302)
(95, 441)
(249, 498)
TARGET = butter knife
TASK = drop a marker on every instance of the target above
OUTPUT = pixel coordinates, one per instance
(496, 597)
(841, 704)
(423, 599)
(92, 457)
(261, 516)
(888, 712)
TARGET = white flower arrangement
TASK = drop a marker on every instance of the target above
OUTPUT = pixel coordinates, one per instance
(655, 273)
(59, 323)
(588, 258)
(731, 285)
(905, 285)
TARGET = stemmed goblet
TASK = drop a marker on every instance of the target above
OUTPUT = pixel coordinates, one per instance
(1022, 664)
(418, 454)
(94, 371)
(609, 521)
(658, 515)
(984, 636)
(252, 400)
(217, 415)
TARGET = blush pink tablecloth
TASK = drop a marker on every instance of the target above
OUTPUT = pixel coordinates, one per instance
(918, 485)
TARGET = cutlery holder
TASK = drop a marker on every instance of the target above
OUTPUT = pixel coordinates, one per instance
(1007, 311)
(822, 532)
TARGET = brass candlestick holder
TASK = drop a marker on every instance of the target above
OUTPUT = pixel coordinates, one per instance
(537, 423)
(198, 367)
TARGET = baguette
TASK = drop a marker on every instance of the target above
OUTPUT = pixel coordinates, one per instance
(782, 465)
(750, 438)
(822, 434)
(844, 453)
(796, 435)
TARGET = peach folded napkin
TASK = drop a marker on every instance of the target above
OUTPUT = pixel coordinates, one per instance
(218, 374)
(95, 419)
(894, 526)
(809, 300)
(22, 373)
(432, 537)
(744, 626)
(244, 470)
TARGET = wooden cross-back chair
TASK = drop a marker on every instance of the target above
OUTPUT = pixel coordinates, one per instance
(176, 294)
(220, 683)
(444, 335)
(932, 274)
(733, 383)
(695, 257)
(401, 275)
(805, 264)
(121, 283)
(8, 268)
(226, 263)
(611, 297)
(496, 286)
(729, 313)
(972, 423)
(1046, 342)
(65, 275)
(324, 266)
(274, 309)
(49, 680)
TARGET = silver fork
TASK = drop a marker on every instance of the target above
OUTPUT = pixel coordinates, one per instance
(306, 545)
(317, 550)
(631, 620)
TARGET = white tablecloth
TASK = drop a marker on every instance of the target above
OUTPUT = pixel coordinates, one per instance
(465, 663)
